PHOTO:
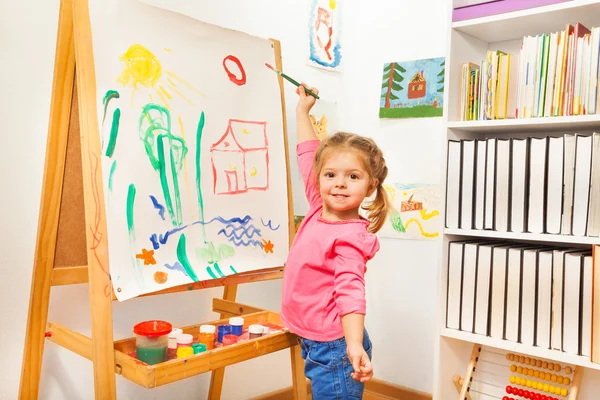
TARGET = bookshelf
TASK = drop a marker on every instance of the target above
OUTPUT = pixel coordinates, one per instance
(468, 41)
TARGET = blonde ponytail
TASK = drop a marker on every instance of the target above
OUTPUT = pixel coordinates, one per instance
(378, 209)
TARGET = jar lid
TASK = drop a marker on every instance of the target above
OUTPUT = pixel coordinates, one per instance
(184, 352)
(207, 329)
(256, 329)
(153, 328)
(175, 333)
(236, 321)
(185, 338)
(199, 348)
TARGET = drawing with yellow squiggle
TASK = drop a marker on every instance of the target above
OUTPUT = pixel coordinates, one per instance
(415, 211)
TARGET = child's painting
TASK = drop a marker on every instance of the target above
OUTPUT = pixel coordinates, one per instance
(325, 45)
(193, 158)
(415, 213)
(324, 119)
(413, 89)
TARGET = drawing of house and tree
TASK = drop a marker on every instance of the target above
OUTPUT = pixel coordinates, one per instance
(421, 97)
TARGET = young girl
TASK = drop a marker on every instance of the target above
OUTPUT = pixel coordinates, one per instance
(324, 287)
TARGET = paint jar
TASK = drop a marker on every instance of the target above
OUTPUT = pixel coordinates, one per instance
(207, 336)
(255, 331)
(185, 351)
(230, 339)
(223, 330)
(266, 332)
(185, 340)
(237, 325)
(151, 340)
(172, 344)
(199, 348)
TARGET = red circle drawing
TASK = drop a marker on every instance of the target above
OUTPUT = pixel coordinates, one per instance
(232, 77)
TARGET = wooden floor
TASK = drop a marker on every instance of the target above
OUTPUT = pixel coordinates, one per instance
(373, 396)
(375, 390)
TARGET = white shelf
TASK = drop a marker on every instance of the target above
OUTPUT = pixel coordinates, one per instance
(553, 355)
(517, 24)
(546, 238)
(469, 41)
(530, 125)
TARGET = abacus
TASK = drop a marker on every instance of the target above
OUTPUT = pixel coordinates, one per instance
(495, 374)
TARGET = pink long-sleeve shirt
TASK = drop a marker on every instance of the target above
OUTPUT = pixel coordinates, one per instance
(324, 274)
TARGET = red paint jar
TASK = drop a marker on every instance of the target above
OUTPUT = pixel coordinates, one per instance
(229, 340)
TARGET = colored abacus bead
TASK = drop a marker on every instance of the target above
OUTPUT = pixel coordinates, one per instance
(509, 389)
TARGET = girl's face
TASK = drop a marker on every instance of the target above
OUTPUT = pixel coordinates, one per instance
(343, 183)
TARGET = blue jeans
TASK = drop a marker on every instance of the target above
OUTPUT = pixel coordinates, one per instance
(328, 368)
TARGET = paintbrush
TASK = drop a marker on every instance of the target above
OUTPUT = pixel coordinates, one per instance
(291, 80)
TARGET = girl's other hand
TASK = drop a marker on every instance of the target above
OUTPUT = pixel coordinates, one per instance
(305, 101)
(363, 369)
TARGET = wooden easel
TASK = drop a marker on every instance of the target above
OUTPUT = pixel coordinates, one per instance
(72, 245)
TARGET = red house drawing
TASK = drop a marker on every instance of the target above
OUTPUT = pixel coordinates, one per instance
(417, 86)
(240, 158)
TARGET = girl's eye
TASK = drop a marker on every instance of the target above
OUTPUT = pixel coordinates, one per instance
(329, 174)
(353, 176)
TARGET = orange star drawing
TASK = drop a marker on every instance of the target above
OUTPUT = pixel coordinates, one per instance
(147, 256)
(268, 246)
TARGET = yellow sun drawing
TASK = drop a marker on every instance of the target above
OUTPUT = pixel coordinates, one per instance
(141, 68)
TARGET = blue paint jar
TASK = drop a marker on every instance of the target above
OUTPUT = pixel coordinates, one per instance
(223, 330)
(237, 325)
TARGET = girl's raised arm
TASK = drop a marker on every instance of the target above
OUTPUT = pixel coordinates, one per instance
(304, 128)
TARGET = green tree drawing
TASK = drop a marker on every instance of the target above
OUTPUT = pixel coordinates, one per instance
(162, 145)
(391, 81)
(441, 75)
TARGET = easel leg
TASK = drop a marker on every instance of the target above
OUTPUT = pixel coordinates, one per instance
(299, 385)
(103, 354)
(56, 148)
(216, 378)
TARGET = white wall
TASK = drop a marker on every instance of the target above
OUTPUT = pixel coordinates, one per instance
(401, 280)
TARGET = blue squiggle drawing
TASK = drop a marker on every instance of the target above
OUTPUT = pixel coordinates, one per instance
(159, 239)
(235, 232)
(177, 267)
(269, 224)
(158, 206)
(241, 242)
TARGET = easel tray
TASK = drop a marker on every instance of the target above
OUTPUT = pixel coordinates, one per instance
(150, 376)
